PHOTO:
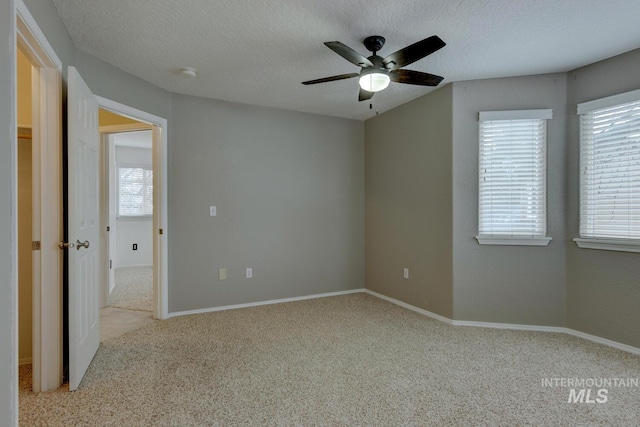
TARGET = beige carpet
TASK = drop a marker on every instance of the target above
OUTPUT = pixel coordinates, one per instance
(348, 360)
(133, 289)
(115, 322)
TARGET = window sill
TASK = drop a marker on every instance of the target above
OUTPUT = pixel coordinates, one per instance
(513, 241)
(134, 218)
(621, 245)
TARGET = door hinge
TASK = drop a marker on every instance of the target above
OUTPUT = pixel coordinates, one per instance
(35, 245)
(108, 228)
(110, 264)
(160, 231)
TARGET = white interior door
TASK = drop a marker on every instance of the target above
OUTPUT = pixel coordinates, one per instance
(84, 260)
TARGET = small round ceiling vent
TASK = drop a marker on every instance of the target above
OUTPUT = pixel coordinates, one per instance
(188, 72)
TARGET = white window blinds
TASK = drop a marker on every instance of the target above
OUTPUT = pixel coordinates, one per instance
(135, 191)
(610, 167)
(512, 173)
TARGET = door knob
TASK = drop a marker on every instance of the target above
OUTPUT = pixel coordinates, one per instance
(65, 245)
(80, 244)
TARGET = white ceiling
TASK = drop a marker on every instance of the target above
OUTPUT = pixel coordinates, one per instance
(259, 51)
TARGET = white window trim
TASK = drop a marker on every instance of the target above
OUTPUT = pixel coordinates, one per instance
(513, 241)
(622, 245)
(609, 101)
(608, 244)
(543, 114)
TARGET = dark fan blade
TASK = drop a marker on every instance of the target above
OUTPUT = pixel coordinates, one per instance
(331, 79)
(415, 78)
(349, 54)
(411, 54)
(364, 95)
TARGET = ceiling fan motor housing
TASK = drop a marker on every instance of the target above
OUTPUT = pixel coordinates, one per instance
(374, 43)
(378, 66)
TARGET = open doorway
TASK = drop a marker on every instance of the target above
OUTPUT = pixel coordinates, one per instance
(127, 176)
(25, 218)
(158, 126)
(39, 214)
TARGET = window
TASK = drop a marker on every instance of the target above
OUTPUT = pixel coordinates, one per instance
(610, 173)
(135, 191)
(512, 178)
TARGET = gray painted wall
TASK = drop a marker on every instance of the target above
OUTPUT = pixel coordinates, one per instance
(46, 14)
(289, 190)
(603, 287)
(8, 287)
(408, 202)
(507, 284)
(112, 83)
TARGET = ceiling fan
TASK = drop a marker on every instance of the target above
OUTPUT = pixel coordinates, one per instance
(377, 72)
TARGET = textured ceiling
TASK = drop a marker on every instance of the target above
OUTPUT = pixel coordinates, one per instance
(259, 51)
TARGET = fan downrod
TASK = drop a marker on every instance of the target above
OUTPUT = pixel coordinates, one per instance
(374, 43)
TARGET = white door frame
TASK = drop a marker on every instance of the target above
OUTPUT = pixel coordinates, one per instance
(160, 210)
(108, 218)
(47, 200)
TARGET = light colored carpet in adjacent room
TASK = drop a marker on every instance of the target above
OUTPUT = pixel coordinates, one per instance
(133, 289)
(347, 360)
(115, 322)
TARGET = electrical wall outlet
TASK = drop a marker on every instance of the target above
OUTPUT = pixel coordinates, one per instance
(405, 273)
(249, 273)
(222, 274)
(213, 211)
(135, 246)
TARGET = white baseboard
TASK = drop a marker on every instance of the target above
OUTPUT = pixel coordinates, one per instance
(25, 361)
(512, 326)
(599, 340)
(410, 307)
(555, 329)
(259, 303)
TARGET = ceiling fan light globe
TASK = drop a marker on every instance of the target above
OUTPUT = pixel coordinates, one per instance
(374, 82)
